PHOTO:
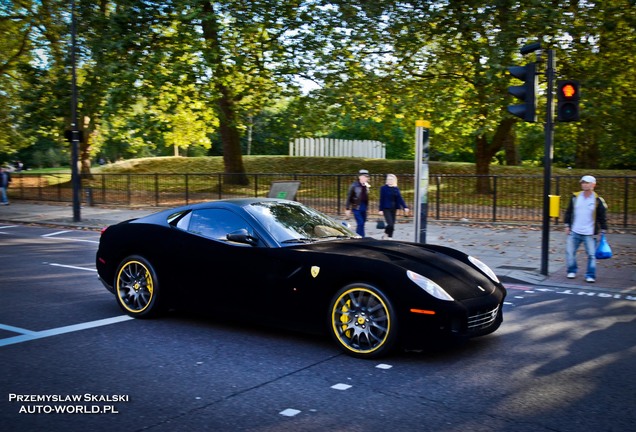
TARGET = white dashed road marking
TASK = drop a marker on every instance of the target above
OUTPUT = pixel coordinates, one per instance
(341, 387)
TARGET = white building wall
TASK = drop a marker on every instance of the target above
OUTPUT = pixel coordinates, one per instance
(329, 147)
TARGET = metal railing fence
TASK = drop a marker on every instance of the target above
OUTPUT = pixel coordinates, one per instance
(450, 197)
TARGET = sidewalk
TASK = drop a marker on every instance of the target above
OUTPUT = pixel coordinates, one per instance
(513, 252)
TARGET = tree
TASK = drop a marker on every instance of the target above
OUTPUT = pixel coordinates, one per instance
(155, 75)
(410, 60)
(240, 56)
(598, 52)
(30, 59)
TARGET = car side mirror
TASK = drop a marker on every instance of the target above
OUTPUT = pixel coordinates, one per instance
(242, 236)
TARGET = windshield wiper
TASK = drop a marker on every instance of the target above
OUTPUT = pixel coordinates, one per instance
(342, 236)
(299, 240)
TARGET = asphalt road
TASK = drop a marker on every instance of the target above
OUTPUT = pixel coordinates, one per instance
(71, 361)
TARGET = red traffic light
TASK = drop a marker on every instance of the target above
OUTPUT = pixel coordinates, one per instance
(567, 90)
(568, 100)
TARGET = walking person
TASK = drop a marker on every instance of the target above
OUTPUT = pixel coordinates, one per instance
(390, 202)
(358, 200)
(585, 216)
(5, 179)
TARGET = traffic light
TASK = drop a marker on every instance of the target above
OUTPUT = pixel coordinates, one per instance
(526, 92)
(568, 94)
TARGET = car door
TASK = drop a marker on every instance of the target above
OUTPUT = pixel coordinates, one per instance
(227, 276)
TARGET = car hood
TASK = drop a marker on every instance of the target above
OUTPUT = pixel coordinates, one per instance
(448, 267)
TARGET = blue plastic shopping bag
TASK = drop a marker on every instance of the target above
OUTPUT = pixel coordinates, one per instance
(603, 249)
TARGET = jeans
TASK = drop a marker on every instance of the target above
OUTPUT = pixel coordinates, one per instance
(573, 242)
(3, 191)
(361, 217)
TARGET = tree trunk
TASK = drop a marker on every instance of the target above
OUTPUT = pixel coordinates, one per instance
(483, 156)
(85, 148)
(587, 152)
(228, 128)
(485, 151)
(231, 139)
(512, 149)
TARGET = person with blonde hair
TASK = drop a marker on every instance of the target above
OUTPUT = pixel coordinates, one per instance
(390, 202)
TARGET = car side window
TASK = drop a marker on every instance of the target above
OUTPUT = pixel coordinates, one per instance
(216, 223)
(184, 222)
(180, 219)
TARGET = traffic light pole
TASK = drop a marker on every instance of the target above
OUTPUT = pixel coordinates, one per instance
(547, 162)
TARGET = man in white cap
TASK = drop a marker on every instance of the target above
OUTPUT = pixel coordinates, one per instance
(358, 200)
(585, 216)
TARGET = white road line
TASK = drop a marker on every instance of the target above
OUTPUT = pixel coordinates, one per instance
(6, 226)
(48, 236)
(16, 329)
(61, 330)
(55, 233)
(71, 267)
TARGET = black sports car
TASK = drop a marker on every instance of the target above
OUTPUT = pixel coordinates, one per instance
(283, 263)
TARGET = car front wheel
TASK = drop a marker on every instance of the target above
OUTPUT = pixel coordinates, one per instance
(362, 321)
(137, 287)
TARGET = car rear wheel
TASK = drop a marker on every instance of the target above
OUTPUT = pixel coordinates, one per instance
(362, 321)
(137, 287)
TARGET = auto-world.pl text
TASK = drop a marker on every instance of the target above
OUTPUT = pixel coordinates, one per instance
(86, 403)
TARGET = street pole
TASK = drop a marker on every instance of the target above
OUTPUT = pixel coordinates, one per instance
(547, 162)
(421, 178)
(75, 180)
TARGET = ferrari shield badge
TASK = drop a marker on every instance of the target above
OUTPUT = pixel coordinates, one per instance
(315, 270)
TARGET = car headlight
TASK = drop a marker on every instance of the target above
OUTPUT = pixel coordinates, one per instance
(484, 268)
(429, 286)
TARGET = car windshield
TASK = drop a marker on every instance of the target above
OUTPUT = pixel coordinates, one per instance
(291, 222)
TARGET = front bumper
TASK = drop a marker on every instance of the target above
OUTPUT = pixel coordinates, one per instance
(457, 321)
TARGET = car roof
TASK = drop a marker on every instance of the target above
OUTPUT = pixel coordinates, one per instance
(240, 202)
(161, 216)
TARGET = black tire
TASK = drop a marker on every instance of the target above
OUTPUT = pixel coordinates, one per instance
(362, 321)
(137, 288)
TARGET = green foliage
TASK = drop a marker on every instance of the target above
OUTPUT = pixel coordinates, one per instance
(224, 77)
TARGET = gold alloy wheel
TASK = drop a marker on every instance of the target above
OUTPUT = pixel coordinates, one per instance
(362, 321)
(135, 286)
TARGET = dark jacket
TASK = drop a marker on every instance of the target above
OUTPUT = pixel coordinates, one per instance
(600, 212)
(357, 195)
(391, 198)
